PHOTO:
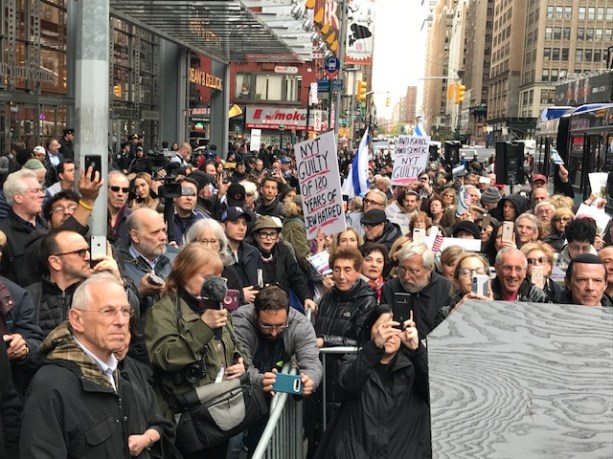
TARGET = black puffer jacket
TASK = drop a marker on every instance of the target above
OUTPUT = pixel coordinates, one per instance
(528, 292)
(52, 304)
(339, 323)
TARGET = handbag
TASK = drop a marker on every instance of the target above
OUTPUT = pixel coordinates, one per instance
(216, 412)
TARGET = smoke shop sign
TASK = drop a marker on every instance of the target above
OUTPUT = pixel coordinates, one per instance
(29, 72)
(272, 117)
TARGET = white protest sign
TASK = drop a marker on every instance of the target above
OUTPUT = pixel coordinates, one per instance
(320, 185)
(256, 139)
(411, 158)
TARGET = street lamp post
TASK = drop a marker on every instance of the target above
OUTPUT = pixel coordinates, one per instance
(341, 58)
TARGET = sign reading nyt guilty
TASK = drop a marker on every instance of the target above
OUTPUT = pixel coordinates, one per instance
(320, 185)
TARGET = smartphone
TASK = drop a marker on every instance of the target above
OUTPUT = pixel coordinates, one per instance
(481, 284)
(96, 162)
(419, 235)
(507, 231)
(155, 280)
(232, 300)
(403, 304)
(537, 276)
(290, 384)
(97, 248)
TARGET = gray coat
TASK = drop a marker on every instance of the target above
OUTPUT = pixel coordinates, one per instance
(299, 339)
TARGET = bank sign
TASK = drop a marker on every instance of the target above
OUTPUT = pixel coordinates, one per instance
(272, 117)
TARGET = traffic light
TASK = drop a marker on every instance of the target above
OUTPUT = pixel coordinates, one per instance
(451, 90)
(388, 101)
(459, 95)
(362, 90)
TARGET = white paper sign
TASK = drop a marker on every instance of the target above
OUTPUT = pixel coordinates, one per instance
(598, 182)
(602, 219)
(256, 140)
(411, 158)
(471, 245)
(320, 185)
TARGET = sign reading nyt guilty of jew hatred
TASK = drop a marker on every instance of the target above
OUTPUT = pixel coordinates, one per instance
(411, 158)
(320, 185)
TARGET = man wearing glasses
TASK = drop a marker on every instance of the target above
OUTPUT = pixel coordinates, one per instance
(118, 211)
(66, 265)
(77, 403)
(510, 283)
(374, 199)
(428, 290)
(185, 210)
(275, 332)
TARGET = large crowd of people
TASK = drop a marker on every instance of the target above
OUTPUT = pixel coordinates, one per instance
(98, 351)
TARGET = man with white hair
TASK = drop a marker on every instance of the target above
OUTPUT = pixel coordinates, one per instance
(544, 211)
(427, 291)
(24, 195)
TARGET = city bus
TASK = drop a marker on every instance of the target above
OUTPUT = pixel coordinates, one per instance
(584, 142)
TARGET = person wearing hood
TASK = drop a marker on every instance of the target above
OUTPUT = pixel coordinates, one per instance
(377, 228)
(510, 207)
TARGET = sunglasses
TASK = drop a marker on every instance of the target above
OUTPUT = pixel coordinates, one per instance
(115, 189)
(80, 252)
(539, 260)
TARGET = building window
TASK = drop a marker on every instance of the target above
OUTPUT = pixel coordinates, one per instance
(564, 54)
(566, 33)
(609, 14)
(591, 13)
(608, 35)
(550, 12)
(277, 87)
(554, 74)
(588, 55)
(557, 33)
(559, 12)
(581, 12)
(546, 53)
(580, 33)
(548, 32)
(597, 55)
(243, 86)
(600, 14)
(589, 34)
(568, 12)
(578, 55)
(597, 34)
(545, 75)
(555, 54)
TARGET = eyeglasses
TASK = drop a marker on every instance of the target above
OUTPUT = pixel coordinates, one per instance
(539, 260)
(109, 312)
(402, 271)
(269, 328)
(80, 252)
(510, 269)
(208, 241)
(62, 209)
(35, 190)
(471, 271)
(374, 203)
(115, 189)
(272, 236)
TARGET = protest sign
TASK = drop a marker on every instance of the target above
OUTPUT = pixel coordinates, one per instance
(320, 185)
(411, 158)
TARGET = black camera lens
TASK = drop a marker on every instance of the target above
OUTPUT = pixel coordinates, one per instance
(195, 372)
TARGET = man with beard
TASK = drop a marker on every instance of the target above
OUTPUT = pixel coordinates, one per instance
(275, 332)
(145, 261)
(428, 290)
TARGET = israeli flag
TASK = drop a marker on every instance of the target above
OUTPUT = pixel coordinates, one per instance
(356, 183)
(419, 129)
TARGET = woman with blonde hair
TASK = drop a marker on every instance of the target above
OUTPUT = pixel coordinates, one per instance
(145, 192)
(559, 220)
(540, 254)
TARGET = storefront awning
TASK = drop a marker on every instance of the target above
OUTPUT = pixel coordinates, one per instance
(225, 30)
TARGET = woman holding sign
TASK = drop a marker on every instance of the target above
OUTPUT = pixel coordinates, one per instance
(386, 412)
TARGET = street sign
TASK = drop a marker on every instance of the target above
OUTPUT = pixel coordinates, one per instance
(324, 85)
(332, 65)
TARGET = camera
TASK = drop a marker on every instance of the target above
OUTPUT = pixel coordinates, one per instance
(194, 372)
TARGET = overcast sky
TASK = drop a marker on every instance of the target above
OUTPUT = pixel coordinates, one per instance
(399, 49)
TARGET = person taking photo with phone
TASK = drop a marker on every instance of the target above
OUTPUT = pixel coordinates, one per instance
(386, 412)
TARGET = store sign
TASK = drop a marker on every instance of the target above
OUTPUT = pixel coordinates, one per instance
(201, 78)
(286, 69)
(273, 117)
(27, 73)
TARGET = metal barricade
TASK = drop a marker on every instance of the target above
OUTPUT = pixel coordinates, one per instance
(323, 352)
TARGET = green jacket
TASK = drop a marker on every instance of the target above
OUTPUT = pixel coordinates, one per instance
(173, 344)
(294, 233)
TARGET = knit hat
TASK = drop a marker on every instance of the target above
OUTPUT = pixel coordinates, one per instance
(490, 195)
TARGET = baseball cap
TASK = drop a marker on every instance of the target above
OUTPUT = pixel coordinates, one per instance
(285, 160)
(537, 177)
(39, 149)
(236, 195)
(234, 213)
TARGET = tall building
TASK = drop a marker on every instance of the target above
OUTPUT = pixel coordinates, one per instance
(477, 68)
(410, 105)
(437, 57)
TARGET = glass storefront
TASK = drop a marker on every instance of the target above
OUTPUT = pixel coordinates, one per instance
(34, 102)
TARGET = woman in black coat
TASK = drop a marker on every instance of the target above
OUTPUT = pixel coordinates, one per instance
(386, 413)
(10, 408)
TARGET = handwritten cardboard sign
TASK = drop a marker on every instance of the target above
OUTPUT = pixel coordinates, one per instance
(320, 185)
(411, 158)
